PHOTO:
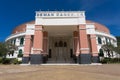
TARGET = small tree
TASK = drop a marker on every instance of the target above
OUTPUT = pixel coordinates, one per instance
(117, 50)
(6, 48)
(11, 48)
(109, 48)
(3, 49)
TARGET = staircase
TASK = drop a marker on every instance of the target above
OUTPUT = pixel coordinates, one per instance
(60, 59)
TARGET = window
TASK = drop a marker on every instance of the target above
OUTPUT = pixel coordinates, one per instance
(60, 44)
(56, 44)
(20, 54)
(107, 40)
(65, 44)
(99, 40)
(12, 52)
(14, 41)
(101, 54)
(37, 14)
(110, 41)
(21, 41)
(20, 51)
(11, 41)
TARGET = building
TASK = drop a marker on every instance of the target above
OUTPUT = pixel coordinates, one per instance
(60, 37)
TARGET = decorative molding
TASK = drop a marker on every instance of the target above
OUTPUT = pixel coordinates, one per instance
(84, 48)
(28, 37)
(82, 28)
(26, 53)
(92, 36)
(37, 49)
(105, 35)
(39, 29)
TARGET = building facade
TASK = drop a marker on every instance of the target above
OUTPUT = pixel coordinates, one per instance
(60, 37)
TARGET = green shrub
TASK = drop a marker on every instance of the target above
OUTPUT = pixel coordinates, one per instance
(15, 61)
(0, 60)
(110, 60)
(115, 60)
(105, 60)
(20, 55)
(6, 61)
(9, 61)
(19, 62)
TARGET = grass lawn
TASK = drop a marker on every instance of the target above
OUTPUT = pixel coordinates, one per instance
(60, 72)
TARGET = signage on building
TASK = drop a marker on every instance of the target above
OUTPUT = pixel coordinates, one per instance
(59, 14)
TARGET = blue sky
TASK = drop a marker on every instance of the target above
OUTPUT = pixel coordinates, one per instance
(16, 12)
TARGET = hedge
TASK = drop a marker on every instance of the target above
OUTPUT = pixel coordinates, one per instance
(9, 61)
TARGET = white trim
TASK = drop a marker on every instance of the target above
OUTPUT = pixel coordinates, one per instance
(84, 48)
(105, 34)
(15, 35)
(92, 37)
(38, 29)
(37, 49)
(26, 52)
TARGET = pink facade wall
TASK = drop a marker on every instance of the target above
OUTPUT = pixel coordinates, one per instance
(27, 47)
(81, 43)
(84, 49)
(94, 50)
(38, 40)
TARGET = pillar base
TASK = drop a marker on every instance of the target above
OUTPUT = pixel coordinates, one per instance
(85, 59)
(36, 59)
(75, 58)
(45, 58)
(95, 59)
(25, 60)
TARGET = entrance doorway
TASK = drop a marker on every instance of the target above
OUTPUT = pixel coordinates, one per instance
(60, 50)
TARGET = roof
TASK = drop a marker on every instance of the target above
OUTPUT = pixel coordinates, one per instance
(22, 27)
(98, 27)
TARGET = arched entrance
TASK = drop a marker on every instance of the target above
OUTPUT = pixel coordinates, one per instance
(60, 50)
